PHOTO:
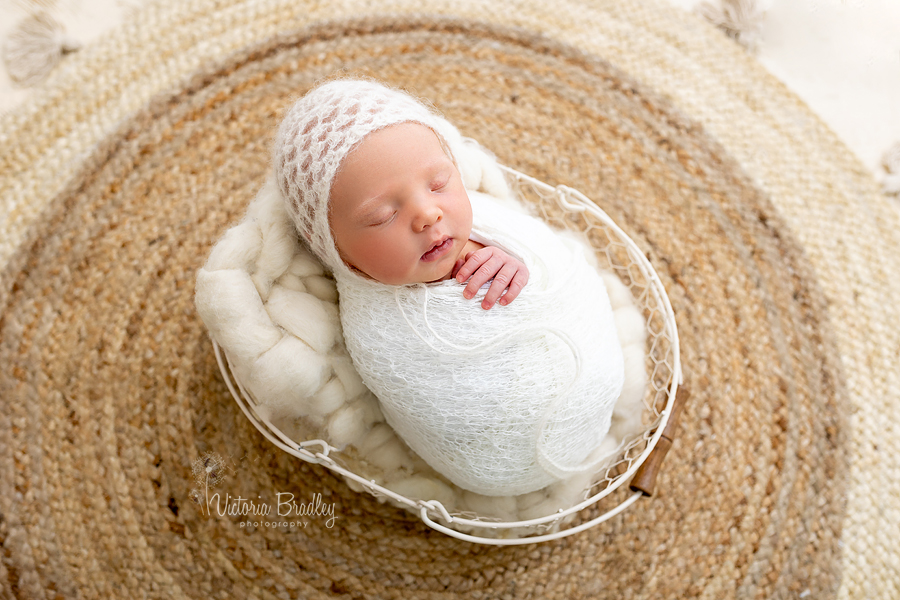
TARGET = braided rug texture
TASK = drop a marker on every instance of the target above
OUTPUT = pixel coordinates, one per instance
(778, 253)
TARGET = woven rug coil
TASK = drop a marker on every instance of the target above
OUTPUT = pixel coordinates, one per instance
(775, 246)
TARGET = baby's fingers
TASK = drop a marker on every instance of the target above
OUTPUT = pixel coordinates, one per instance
(471, 263)
(482, 275)
(505, 280)
(515, 286)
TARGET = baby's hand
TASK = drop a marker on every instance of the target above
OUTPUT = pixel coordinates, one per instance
(509, 274)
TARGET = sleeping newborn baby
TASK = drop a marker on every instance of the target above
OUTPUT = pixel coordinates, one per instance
(487, 337)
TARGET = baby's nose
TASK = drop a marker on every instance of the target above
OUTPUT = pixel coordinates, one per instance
(428, 215)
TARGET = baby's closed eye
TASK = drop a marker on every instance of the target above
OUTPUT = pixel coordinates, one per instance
(439, 183)
(380, 218)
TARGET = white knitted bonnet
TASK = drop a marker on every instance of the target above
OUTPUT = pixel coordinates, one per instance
(320, 130)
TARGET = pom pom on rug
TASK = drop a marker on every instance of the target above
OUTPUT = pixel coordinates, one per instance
(35, 47)
(741, 20)
(891, 164)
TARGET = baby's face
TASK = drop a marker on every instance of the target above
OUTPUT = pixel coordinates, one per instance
(399, 211)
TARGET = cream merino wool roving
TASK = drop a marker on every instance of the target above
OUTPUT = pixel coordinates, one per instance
(500, 402)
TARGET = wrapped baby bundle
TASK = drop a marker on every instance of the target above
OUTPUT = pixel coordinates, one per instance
(505, 401)
(501, 402)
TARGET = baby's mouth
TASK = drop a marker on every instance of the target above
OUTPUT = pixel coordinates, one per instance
(438, 250)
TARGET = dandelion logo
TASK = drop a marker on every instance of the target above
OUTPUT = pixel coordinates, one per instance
(209, 471)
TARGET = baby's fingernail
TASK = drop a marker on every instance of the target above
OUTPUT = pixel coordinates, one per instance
(467, 295)
(503, 302)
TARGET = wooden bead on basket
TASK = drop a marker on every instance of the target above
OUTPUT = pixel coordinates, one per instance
(644, 479)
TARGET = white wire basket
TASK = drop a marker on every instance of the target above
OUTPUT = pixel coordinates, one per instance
(640, 456)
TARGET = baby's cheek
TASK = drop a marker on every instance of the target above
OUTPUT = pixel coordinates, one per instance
(386, 264)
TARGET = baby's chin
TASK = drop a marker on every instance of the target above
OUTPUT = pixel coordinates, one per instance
(446, 277)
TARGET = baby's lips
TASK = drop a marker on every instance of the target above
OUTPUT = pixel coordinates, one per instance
(438, 242)
(444, 240)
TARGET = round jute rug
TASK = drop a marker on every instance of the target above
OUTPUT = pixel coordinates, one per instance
(778, 253)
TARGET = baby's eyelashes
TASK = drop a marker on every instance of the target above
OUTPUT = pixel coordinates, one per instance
(379, 219)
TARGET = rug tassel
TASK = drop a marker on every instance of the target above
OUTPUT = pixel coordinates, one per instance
(741, 20)
(35, 47)
(891, 163)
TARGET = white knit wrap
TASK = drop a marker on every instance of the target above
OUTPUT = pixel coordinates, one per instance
(501, 402)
